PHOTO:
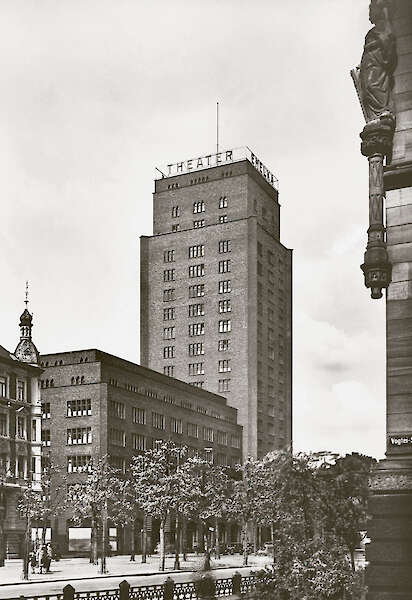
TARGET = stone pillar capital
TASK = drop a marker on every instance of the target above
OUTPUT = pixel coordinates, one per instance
(377, 136)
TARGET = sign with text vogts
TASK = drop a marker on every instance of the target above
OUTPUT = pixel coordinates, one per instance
(219, 159)
(400, 440)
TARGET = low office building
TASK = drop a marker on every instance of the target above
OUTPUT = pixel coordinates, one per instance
(20, 429)
(96, 404)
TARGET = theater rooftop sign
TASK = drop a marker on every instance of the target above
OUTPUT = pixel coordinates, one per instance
(225, 157)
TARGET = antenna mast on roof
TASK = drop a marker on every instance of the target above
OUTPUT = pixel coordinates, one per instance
(217, 127)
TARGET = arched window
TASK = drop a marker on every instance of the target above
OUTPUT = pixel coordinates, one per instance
(72, 380)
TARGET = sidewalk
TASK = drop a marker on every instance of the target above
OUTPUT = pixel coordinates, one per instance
(72, 569)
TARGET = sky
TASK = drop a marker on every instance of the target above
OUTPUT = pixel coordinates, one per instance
(94, 94)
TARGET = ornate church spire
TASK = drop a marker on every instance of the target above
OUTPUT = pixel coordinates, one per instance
(26, 350)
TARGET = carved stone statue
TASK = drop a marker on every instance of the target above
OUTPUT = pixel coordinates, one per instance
(378, 62)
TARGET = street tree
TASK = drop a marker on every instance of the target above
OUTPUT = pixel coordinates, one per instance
(155, 481)
(344, 498)
(89, 501)
(244, 504)
(29, 507)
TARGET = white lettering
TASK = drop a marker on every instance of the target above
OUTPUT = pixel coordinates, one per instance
(229, 155)
(199, 163)
(189, 165)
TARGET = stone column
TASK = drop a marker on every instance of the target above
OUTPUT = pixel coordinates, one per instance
(389, 554)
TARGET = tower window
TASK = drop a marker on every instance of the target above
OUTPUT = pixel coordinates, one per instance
(196, 369)
(222, 202)
(225, 246)
(169, 333)
(223, 345)
(175, 211)
(169, 275)
(196, 329)
(198, 207)
(224, 306)
(196, 310)
(196, 349)
(169, 256)
(169, 295)
(197, 270)
(224, 266)
(169, 314)
(169, 352)
(199, 223)
(223, 219)
(175, 227)
(225, 326)
(224, 385)
(225, 286)
(196, 251)
(196, 291)
(169, 370)
(224, 366)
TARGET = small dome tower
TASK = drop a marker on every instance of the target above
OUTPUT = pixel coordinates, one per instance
(26, 350)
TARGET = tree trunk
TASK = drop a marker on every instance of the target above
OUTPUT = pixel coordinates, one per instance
(244, 540)
(133, 541)
(26, 551)
(144, 539)
(206, 564)
(217, 544)
(93, 545)
(183, 539)
(201, 540)
(352, 559)
(2, 542)
(177, 540)
(103, 568)
(43, 532)
(162, 545)
(272, 537)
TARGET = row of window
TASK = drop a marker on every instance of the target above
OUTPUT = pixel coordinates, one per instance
(195, 329)
(20, 388)
(21, 426)
(195, 291)
(199, 270)
(199, 207)
(198, 251)
(117, 437)
(196, 310)
(199, 223)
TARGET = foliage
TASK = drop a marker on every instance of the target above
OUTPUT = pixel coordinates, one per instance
(90, 500)
(344, 498)
(319, 570)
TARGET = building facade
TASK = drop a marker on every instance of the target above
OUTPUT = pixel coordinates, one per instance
(216, 291)
(96, 404)
(20, 431)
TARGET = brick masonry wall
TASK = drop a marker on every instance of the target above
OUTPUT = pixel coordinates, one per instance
(253, 214)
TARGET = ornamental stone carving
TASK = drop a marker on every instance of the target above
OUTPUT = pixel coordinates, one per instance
(378, 62)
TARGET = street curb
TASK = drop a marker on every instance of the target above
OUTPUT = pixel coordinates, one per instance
(167, 572)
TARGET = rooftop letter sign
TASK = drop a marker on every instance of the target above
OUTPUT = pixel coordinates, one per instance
(218, 159)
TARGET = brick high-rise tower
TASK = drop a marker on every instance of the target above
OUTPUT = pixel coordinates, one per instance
(216, 291)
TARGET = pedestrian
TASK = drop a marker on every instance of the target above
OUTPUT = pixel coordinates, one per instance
(32, 561)
(39, 556)
(48, 558)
